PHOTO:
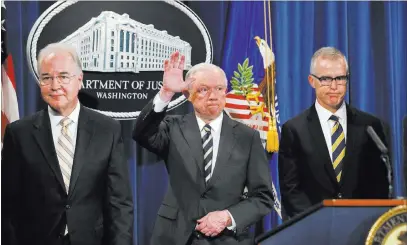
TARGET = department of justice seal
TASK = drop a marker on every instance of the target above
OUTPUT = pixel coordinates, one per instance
(122, 46)
(390, 228)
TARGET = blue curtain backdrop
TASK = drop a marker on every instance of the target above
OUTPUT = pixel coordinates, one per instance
(373, 35)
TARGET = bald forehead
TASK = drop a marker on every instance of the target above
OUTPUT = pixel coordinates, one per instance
(207, 72)
(54, 57)
(209, 77)
(330, 62)
(60, 54)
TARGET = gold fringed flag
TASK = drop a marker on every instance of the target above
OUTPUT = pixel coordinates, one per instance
(252, 104)
(249, 63)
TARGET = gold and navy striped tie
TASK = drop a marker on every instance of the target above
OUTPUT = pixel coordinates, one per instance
(338, 146)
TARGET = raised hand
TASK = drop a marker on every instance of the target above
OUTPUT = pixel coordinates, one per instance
(173, 81)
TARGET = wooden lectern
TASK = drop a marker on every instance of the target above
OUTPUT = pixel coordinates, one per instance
(333, 222)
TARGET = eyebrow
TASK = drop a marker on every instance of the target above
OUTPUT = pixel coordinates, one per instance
(61, 73)
(217, 86)
(336, 76)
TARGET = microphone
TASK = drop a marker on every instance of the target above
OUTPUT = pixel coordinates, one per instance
(379, 143)
(385, 157)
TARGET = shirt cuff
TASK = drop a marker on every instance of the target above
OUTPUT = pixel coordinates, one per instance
(233, 226)
(158, 103)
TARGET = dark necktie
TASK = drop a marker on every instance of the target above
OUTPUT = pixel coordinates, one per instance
(207, 143)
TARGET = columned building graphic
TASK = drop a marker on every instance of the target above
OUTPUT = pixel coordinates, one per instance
(116, 43)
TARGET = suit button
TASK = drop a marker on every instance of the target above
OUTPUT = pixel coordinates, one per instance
(67, 206)
(339, 195)
(203, 195)
(197, 234)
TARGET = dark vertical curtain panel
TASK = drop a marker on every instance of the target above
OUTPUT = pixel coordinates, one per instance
(373, 36)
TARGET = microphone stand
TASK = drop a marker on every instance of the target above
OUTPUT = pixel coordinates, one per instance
(385, 158)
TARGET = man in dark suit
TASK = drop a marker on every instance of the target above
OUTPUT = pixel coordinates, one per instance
(64, 177)
(210, 159)
(325, 152)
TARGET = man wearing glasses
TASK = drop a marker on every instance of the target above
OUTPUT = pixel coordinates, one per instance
(210, 158)
(64, 176)
(325, 152)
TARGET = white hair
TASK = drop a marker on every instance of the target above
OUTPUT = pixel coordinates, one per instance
(327, 53)
(58, 48)
(202, 67)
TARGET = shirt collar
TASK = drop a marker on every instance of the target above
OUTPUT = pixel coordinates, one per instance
(324, 114)
(56, 118)
(215, 124)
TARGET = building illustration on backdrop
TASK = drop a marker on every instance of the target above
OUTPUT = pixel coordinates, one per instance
(115, 43)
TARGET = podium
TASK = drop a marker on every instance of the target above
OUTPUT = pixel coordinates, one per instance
(333, 222)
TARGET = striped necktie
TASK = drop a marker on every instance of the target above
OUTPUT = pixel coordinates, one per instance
(207, 143)
(65, 151)
(338, 147)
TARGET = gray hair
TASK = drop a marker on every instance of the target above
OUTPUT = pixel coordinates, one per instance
(201, 67)
(58, 48)
(328, 53)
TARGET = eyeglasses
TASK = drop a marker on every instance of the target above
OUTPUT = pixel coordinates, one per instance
(64, 79)
(327, 81)
(203, 90)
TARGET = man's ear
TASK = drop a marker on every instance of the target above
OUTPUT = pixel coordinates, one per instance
(80, 79)
(311, 81)
(186, 94)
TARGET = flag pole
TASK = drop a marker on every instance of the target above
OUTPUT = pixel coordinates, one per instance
(272, 143)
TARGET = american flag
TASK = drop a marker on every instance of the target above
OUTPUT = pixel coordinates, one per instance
(249, 110)
(9, 103)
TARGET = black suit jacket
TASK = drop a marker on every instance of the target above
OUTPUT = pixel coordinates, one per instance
(35, 205)
(241, 161)
(305, 169)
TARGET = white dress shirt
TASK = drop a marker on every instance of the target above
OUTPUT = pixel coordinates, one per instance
(327, 125)
(56, 127)
(216, 127)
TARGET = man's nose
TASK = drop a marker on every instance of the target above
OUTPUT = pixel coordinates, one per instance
(334, 85)
(213, 95)
(55, 84)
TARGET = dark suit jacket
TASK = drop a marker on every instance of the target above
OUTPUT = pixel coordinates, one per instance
(305, 169)
(35, 205)
(241, 161)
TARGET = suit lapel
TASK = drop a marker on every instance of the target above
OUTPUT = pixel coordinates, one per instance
(226, 143)
(321, 149)
(43, 136)
(84, 135)
(191, 133)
